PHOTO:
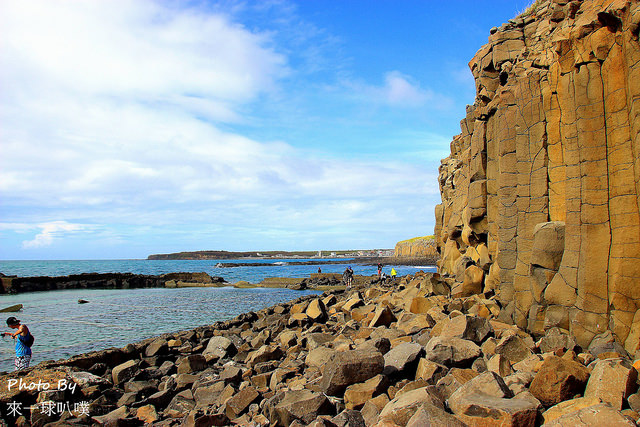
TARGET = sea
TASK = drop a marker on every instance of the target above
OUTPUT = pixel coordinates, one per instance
(114, 318)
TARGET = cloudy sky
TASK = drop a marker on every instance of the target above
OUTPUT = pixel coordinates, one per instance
(136, 127)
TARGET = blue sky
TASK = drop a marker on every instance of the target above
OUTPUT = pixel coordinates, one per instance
(136, 127)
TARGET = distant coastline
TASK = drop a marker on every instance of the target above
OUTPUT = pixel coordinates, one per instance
(208, 255)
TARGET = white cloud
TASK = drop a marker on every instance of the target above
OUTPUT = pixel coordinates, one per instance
(399, 90)
(120, 113)
(49, 232)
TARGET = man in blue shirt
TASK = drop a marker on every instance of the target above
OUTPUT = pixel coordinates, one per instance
(23, 342)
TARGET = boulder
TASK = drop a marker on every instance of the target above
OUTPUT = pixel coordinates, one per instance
(452, 351)
(350, 367)
(112, 417)
(401, 358)
(302, 405)
(454, 379)
(317, 311)
(192, 363)
(479, 409)
(596, 415)
(383, 316)
(238, 404)
(147, 414)
(348, 418)
(558, 379)
(125, 371)
(319, 356)
(471, 328)
(514, 348)
(403, 407)
(488, 383)
(605, 343)
(231, 374)
(432, 416)
(264, 354)
(356, 395)
(219, 347)
(430, 371)
(567, 407)
(612, 381)
(156, 347)
(554, 339)
(471, 284)
(500, 365)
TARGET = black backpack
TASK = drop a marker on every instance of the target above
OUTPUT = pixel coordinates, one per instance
(29, 341)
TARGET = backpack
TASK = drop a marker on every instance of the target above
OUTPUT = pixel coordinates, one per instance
(29, 341)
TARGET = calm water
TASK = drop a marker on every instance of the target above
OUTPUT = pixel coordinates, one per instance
(63, 327)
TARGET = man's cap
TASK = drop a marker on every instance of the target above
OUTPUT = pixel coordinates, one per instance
(12, 321)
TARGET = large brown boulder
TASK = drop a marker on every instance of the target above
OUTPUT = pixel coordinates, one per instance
(479, 409)
(302, 405)
(558, 379)
(350, 367)
(125, 371)
(403, 407)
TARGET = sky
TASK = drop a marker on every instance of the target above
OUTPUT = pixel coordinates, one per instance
(130, 128)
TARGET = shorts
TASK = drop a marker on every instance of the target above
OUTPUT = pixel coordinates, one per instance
(22, 362)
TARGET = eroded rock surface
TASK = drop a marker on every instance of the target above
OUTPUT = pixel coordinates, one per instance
(544, 179)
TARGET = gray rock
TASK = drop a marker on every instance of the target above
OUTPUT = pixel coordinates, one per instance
(220, 347)
(455, 352)
(401, 357)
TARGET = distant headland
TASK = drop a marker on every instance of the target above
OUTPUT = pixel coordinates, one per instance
(272, 254)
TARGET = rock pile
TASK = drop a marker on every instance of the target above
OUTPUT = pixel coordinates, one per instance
(403, 355)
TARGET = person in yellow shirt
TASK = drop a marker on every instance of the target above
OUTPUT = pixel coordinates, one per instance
(393, 274)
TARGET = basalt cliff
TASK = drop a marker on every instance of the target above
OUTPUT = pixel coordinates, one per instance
(540, 195)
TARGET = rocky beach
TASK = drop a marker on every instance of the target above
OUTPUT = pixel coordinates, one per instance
(385, 354)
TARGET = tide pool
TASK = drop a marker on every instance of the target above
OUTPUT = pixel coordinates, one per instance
(114, 318)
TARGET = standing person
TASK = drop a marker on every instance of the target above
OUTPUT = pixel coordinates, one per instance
(347, 277)
(319, 270)
(393, 274)
(379, 270)
(24, 339)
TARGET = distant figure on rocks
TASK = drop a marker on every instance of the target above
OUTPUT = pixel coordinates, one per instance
(393, 274)
(319, 270)
(347, 277)
(24, 340)
(379, 270)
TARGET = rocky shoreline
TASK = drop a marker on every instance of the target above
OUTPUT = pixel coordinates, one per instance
(14, 284)
(404, 354)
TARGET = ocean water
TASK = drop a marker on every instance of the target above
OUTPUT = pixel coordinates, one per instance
(63, 328)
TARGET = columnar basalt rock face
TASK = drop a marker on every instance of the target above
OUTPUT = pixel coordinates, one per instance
(545, 175)
(416, 248)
